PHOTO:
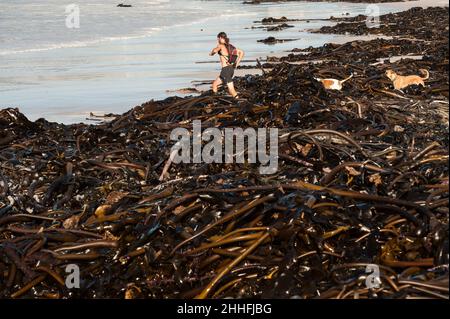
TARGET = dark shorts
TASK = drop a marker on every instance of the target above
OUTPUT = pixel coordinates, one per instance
(226, 75)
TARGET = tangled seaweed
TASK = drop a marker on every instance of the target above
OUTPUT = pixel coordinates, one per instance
(362, 179)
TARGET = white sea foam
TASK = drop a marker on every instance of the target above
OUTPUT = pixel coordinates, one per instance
(79, 44)
(145, 33)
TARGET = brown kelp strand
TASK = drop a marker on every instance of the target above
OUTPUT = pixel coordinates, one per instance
(362, 179)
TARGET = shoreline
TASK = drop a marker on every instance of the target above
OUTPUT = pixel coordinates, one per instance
(362, 179)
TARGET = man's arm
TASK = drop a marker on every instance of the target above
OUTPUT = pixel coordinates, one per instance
(215, 50)
(240, 57)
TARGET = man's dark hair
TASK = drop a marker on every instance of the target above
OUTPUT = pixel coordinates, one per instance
(223, 35)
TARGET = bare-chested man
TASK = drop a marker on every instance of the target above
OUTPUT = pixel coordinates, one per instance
(230, 57)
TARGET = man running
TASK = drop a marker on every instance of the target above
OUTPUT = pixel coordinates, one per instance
(230, 57)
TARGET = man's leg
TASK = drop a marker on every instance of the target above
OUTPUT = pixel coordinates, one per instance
(215, 86)
(231, 89)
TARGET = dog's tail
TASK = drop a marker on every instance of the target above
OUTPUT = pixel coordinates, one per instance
(317, 79)
(346, 79)
(427, 74)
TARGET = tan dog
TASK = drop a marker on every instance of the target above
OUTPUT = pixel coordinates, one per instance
(400, 82)
(333, 84)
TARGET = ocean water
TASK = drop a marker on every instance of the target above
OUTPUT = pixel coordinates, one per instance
(122, 57)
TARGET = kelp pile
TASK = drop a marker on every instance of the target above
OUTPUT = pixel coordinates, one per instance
(418, 23)
(362, 180)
